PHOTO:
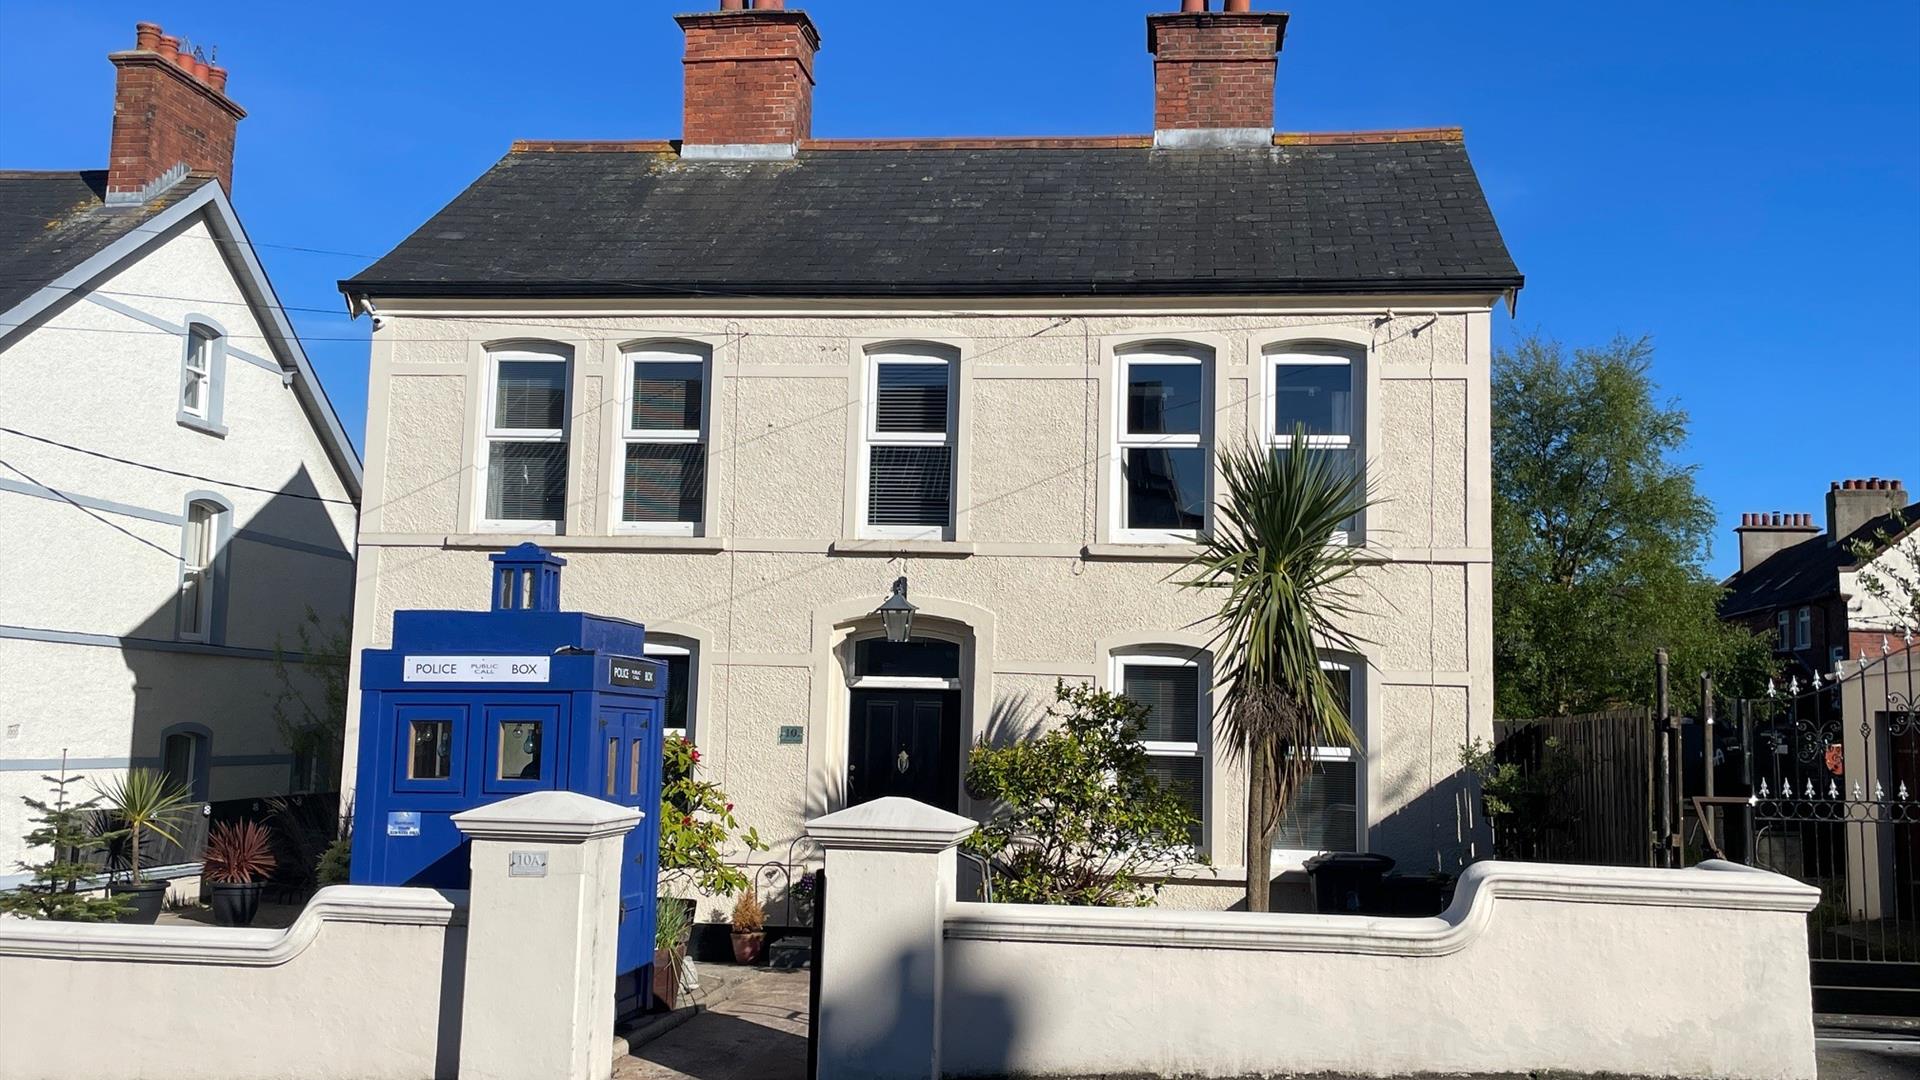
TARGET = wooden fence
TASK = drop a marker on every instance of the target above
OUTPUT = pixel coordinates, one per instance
(1593, 788)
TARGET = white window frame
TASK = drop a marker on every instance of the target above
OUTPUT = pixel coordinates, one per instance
(691, 650)
(201, 579)
(196, 382)
(1166, 354)
(872, 437)
(1782, 631)
(1201, 746)
(1292, 858)
(857, 681)
(1319, 354)
(1803, 629)
(203, 368)
(491, 434)
(663, 353)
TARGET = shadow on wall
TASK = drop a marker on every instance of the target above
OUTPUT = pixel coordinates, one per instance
(1440, 830)
(886, 1022)
(266, 570)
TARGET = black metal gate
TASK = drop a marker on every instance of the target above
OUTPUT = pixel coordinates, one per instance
(1822, 783)
(813, 972)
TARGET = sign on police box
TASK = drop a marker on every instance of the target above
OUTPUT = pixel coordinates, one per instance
(476, 669)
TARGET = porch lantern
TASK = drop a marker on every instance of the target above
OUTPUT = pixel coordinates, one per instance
(896, 614)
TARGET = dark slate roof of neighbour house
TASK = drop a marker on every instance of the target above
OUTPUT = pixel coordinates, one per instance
(51, 222)
(1378, 212)
(1807, 571)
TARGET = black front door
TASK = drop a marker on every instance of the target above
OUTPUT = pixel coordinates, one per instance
(905, 742)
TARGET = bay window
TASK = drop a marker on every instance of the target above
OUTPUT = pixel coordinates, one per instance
(525, 471)
(907, 471)
(1163, 433)
(665, 479)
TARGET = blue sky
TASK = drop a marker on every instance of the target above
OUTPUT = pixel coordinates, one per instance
(1740, 181)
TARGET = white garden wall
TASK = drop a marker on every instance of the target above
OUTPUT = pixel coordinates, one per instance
(1586, 969)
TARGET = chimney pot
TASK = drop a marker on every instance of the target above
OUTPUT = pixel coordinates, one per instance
(1239, 5)
(1213, 74)
(217, 78)
(1193, 5)
(167, 46)
(146, 36)
(769, 5)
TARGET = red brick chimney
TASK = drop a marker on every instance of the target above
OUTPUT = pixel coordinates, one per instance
(749, 73)
(1763, 534)
(1213, 74)
(171, 116)
(1853, 503)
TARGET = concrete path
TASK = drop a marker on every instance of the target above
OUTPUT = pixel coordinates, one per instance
(758, 1033)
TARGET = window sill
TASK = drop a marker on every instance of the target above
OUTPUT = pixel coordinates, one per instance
(626, 542)
(201, 424)
(1142, 552)
(881, 545)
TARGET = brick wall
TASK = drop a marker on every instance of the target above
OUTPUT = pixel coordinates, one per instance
(749, 77)
(168, 111)
(1214, 70)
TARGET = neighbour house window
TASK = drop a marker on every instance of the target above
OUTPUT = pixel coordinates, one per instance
(678, 653)
(907, 474)
(1163, 433)
(526, 432)
(184, 762)
(1782, 631)
(1803, 629)
(1324, 814)
(1170, 688)
(1315, 387)
(664, 490)
(200, 547)
(201, 376)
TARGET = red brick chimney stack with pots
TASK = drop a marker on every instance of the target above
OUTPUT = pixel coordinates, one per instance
(749, 80)
(1853, 503)
(1763, 534)
(171, 115)
(1213, 74)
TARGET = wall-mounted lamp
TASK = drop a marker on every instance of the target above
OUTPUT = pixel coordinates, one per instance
(896, 614)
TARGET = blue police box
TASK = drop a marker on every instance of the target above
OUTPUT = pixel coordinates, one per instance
(470, 707)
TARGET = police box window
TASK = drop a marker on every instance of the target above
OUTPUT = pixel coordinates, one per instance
(432, 749)
(520, 750)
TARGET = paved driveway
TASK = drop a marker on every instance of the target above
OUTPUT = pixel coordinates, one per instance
(758, 1033)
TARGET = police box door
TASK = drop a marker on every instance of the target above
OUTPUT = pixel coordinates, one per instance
(628, 759)
(904, 742)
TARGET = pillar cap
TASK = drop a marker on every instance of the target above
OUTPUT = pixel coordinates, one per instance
(892, 824)
(551, 816)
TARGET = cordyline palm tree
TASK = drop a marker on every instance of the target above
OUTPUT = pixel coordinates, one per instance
(1272, 552)
(146, 801)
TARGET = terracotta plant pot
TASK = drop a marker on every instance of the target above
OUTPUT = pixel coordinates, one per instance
(144, 900)
(748, 945)
(666, 978)
(236, 905)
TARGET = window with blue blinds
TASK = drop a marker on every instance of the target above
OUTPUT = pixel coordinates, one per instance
(664, 489)
(909, 454)
(531, 395)
(665, 482)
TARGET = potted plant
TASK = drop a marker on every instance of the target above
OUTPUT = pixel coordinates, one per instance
(239, 858)
(144, 801)
(749, 928)
(672, 923)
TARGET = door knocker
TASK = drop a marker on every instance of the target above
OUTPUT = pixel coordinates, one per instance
(900, 762)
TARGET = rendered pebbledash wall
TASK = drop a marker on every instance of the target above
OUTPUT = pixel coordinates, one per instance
(1032, 586)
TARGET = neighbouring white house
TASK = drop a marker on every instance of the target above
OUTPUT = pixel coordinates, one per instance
(746, 380)
(178, 486)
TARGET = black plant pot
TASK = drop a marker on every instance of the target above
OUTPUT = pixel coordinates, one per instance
(144, 900)
(235, 905)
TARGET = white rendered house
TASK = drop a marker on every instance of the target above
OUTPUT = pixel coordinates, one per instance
(166, 456)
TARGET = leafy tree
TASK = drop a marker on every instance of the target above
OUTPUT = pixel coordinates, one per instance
(1599, 538)
(1895, 582)
(310, 705)
(697, 825)
(1080, 819)
(55, 891)
(1272, 553)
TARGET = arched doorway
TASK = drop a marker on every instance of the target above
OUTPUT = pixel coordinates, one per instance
(905, 730)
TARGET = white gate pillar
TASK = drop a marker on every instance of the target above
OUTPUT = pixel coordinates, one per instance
(542, 919)
(890, 878)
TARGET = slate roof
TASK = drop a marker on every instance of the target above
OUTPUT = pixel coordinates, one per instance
(1040, 217)
(51, 222)
(1807, 571)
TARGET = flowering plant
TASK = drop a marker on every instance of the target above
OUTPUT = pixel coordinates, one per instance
(697, 825)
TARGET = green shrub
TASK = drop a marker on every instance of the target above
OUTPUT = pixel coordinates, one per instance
(697, 825)
(1079, 817)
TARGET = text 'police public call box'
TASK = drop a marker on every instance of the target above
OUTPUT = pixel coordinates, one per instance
(470, 707)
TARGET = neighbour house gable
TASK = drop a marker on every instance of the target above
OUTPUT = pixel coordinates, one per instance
(1808, 571)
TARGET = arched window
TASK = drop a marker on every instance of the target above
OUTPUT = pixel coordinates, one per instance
(1315, 387)
(184, 760)
(1164, 431)
(682, 657)
(524, 475)
(664, 487)
(203, 376)
(907, 462)
(1171, 684)
(202, 541)
(1328, 810)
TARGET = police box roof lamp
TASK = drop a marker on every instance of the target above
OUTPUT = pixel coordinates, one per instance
(526, 577)
(896, 614)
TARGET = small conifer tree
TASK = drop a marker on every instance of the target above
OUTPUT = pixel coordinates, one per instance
(58, 890)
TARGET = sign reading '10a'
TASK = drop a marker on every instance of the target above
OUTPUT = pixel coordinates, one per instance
(476, 668)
